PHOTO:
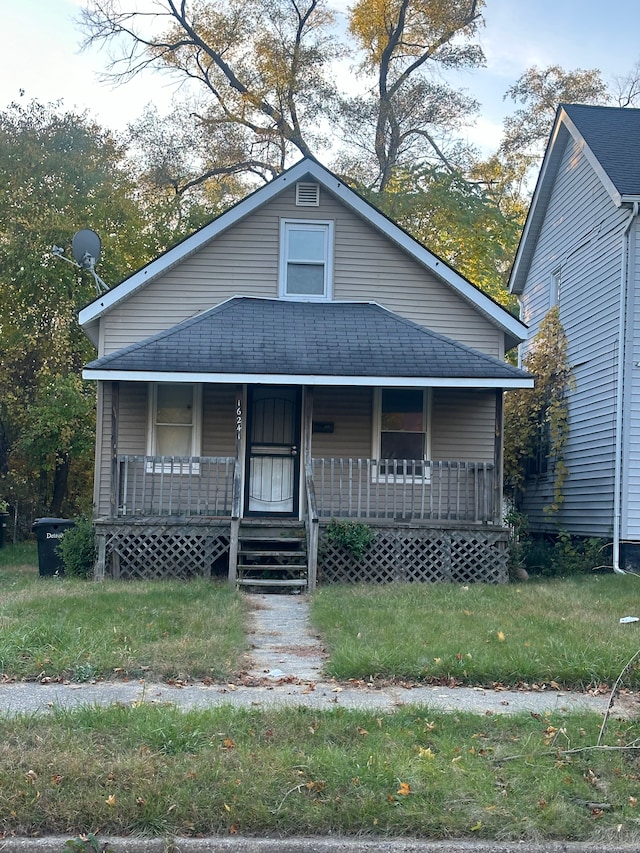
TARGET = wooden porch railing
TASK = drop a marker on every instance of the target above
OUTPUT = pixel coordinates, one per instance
(334, 488)
(406, 489)
(171, 485)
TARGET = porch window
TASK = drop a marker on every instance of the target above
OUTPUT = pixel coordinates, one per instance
(306, 249)
(174, 420)
(401, 415)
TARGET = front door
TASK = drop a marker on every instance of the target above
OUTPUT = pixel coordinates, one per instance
(273, 459)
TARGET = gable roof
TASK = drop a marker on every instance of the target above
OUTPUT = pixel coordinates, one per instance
(609, 137)
(271, 340)
(304, 170)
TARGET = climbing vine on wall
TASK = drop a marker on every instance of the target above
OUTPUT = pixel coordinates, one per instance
(537, 419)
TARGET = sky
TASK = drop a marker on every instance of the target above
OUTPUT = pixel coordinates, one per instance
(41, 55)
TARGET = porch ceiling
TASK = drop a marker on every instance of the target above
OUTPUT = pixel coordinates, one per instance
(270, 340)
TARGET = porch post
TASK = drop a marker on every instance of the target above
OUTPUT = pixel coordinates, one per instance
(498, 458)
(98, 569)
(312, 515)
(115, 417)
(236, 496)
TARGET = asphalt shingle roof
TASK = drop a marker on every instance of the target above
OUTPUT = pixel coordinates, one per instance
(269, 336)
(613, 134)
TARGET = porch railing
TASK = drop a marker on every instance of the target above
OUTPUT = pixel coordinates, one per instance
(174, 485)
(406, 489)
(335, 488)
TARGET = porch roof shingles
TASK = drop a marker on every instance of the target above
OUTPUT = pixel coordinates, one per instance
(253, 336)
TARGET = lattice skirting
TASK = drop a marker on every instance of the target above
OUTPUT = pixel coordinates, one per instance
(160, 551)
(420, 554)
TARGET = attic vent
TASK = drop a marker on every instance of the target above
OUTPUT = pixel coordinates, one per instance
(307, 195)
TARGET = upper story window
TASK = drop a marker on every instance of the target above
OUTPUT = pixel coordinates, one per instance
(306, 250)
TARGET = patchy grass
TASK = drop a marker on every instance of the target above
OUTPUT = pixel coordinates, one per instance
(78, 630)
(564, 631)
(151, 770)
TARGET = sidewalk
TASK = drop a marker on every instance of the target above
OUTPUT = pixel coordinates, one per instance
(284, 669)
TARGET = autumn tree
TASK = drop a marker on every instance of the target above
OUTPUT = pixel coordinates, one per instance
(538, 93)
(59, 172)
(409, 114)
(263, 67)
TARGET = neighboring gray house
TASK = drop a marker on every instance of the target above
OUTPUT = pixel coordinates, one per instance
(300, 358)
(580, 250)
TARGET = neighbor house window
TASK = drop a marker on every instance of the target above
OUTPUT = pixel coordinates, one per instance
(174, 420)
(401, 433)
(305, 259)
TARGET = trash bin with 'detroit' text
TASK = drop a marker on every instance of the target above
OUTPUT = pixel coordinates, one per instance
(49, 532)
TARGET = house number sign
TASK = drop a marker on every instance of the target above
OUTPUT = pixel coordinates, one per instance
(238, 418)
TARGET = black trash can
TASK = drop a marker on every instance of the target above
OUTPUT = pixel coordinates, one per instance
(3, 526)
(49, 532)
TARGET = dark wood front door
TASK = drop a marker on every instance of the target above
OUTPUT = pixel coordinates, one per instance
(273, 457)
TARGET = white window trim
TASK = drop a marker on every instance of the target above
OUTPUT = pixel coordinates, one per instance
(196, 435)
(555, 287)
(425, 477)
(325, 225)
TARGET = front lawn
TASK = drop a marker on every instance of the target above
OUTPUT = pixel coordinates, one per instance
(79, 630)
(562, 631)
(552, 632)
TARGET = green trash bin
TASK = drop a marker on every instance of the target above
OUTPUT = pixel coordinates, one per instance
(49, 532)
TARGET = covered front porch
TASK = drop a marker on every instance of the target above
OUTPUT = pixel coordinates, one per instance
(243, 515)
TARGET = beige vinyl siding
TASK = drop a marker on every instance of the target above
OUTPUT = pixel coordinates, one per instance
(244, 261)
(219, 420)
(349, 410)
(463, 425)
(133, 426)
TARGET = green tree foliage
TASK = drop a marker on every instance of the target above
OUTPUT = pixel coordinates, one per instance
(58, 173)
(457, 219)
(185, 177)
(537, 420)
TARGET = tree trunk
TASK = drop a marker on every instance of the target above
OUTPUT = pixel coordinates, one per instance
(60, 478)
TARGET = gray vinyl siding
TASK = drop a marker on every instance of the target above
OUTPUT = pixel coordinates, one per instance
(631, 445)
(244, 261)
(582, 236)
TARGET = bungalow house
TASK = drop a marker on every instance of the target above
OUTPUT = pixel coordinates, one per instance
(580, 251)
(300, 359)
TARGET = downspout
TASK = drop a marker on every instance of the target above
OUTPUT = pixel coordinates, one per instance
(622, 332)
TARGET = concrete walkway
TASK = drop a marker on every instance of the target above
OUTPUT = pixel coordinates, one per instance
(284, 669)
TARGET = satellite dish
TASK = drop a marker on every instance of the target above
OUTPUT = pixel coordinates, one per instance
(85, 247)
